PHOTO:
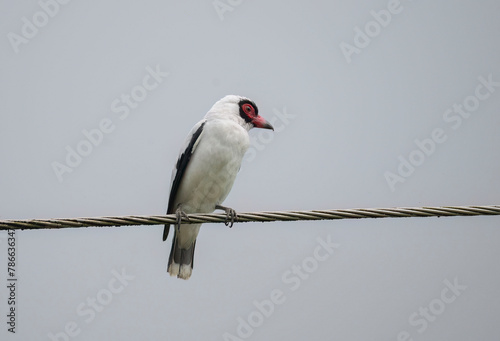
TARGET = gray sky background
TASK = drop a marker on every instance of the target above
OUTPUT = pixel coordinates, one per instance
(344, 123)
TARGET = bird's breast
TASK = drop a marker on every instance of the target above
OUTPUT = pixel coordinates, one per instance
(213, 167)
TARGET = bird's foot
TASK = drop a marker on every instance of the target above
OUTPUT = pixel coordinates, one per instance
(179, 214)
(231, 215)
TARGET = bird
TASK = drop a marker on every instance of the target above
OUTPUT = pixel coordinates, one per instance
(205, 172)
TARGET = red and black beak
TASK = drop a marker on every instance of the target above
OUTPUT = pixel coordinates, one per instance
(260, 122)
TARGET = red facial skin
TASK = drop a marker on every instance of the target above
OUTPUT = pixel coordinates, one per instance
(257, 120)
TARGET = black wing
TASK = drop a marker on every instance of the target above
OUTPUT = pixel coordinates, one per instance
(180, 168)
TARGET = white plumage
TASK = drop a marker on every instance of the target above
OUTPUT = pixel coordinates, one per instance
(206, 170)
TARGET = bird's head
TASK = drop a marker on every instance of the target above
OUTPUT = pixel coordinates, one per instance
(240, 109)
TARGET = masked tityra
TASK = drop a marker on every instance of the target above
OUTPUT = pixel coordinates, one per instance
(206, 170)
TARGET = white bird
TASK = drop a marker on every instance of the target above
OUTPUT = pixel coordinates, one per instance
(206, 170)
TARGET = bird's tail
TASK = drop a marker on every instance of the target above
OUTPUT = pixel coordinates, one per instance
(181, 260)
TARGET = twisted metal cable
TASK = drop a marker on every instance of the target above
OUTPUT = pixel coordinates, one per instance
(354, 213)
